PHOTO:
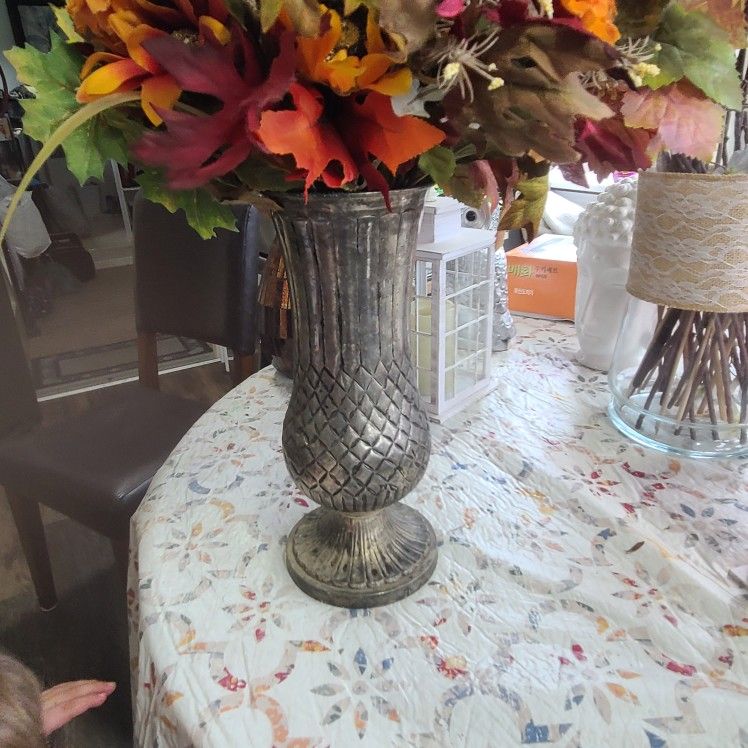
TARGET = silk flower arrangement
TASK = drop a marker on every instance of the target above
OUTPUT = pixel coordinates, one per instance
(338, 116)
(227, 99)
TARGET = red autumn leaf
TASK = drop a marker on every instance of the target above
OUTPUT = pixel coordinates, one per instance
(608, 146)
(315, 145)
(511, 12)
(205, 69)
(506, 173)
(194, 149)
(574, 173)
(680, 668)
(578, 652)
(373, 129)
(508, 13)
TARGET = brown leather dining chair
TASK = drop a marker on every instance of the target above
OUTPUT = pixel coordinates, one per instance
(95, 468)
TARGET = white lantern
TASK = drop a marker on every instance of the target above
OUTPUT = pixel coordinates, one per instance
(452, 320)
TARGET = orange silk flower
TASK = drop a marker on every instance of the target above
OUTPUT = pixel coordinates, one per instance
(105, 73)
(102, 20)
(122, 26)
(319, 61)
(92, 19)
(597, 16)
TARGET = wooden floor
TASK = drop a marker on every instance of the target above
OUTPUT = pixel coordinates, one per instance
(86, 635)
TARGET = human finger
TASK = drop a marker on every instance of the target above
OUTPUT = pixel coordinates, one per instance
(60, 714)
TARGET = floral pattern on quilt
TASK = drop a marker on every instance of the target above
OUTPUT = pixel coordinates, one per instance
(581, 597)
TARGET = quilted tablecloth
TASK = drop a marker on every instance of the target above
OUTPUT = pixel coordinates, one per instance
(581, 597)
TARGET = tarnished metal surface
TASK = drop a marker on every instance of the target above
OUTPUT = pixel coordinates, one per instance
(355, 437)
(503, 324)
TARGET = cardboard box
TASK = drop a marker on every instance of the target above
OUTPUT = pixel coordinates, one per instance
(543, 277)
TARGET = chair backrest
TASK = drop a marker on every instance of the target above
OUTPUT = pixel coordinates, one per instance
(18, 406)
(202, 289)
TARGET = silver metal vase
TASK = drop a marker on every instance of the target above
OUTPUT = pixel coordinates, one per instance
(355, 437)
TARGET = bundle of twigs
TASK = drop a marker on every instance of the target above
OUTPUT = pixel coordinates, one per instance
(695, 372)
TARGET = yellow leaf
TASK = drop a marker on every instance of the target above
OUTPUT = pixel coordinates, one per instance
(313, 646)
(602, 625)
(65, 24)
(622, 693)
(226, 507)
(732, 630)
(189, 635)
(526, 210)
(628, 674)
(171, 696)
(269, 12)
(197, 529)
(544, 505)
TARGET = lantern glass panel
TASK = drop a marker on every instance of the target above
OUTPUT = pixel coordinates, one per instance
(420, 329)
(463, 273)
(461, 376)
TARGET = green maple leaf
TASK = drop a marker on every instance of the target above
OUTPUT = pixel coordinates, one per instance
(257, 173)
(203, 212)
(55, 76)
(693, 46)
(439, 163)
(105, 137)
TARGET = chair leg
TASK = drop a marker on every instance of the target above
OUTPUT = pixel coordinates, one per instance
(242, 367)
(121, 550)
(28, 521)
(148, 360)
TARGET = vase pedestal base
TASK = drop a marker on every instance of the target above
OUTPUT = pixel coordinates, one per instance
(361, 560)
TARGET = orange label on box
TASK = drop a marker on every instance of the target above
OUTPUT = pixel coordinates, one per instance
(543, 277)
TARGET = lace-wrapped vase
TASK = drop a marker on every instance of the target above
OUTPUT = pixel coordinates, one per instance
(683, 386)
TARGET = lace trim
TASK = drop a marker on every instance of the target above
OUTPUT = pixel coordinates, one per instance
(690, 246)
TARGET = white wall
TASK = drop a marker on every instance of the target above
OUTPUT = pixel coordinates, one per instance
(6, 42)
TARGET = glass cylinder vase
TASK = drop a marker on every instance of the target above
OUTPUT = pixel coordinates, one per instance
(679, 377)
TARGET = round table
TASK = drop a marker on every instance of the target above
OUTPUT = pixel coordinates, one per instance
(581, 597)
